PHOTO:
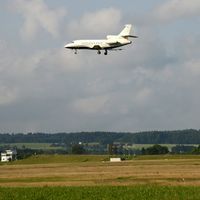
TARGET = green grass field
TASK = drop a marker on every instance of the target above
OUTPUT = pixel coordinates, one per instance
(46, 159)
(50, 159)
(144, 192)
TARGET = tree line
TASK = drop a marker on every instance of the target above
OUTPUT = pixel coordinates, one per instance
(189, 136)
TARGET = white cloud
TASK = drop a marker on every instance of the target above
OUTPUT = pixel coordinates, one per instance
(91, 105)
(58, 91)
(96, 23)
(195, 67)
(65, 60)
(7, 95)
(143, 96)
(37, 15)
(175, 9)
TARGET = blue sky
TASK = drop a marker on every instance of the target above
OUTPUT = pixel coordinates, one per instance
(152, 85)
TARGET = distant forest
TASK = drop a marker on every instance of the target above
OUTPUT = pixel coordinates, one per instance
(189, 136)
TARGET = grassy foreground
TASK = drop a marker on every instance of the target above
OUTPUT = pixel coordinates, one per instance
(144, 192)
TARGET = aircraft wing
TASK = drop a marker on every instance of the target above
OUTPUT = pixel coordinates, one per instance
(115, 49)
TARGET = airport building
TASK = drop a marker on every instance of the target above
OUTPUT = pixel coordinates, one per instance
(8, 155)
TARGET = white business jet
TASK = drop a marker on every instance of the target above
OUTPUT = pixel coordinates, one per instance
(112, 42)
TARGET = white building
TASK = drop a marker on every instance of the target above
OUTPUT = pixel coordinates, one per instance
(8, 155)
(115, 159)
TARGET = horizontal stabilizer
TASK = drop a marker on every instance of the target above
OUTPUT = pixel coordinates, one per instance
(132, 36)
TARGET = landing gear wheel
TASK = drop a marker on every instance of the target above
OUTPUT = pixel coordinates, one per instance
(106, 52)
(99, 52)
(75, 52)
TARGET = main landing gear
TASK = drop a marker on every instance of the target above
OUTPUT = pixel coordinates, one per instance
(98, 52)
(105, 53)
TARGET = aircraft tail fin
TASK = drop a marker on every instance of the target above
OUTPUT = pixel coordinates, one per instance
(126, 32)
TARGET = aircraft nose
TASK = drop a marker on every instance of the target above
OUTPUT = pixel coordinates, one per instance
(70, 45)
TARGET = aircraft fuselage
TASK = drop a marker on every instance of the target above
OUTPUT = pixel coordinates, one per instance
(95, 44)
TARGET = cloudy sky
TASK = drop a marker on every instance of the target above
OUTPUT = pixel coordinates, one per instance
(154, 84)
